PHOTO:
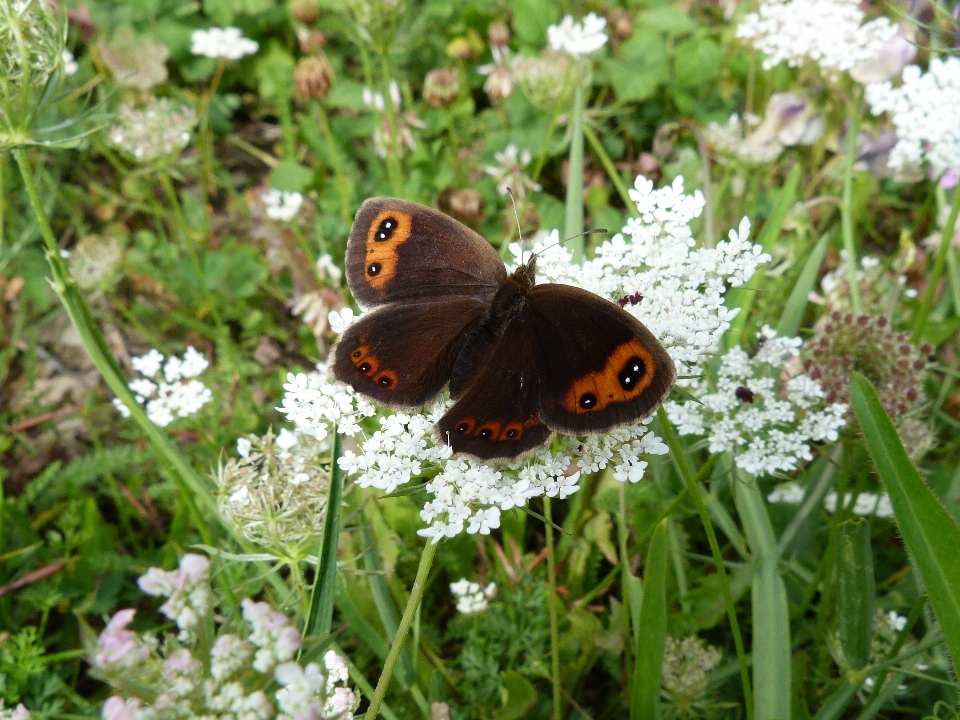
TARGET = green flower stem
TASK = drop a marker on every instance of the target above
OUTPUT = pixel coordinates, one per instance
(545, 148)
(416, 595)
(946, 239)
(66, 288)
(287, 127)
(320, 617)
(574, 206)
(608, 165)
(622, 532)
(206, 142)
(846, 206)
(343, 185)
(552, 603)
(393, 147)
(677, 452)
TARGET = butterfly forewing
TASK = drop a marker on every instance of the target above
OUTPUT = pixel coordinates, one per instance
(400, 251)
(600, 368)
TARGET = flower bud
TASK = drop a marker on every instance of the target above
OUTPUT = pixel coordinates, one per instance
(312, 78)
(498, 34)
(441, 87)
(459, 49)
(305, 11)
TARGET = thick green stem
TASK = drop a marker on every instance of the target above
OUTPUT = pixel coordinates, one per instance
(552, 604)
(320, 618)
(574, 215)
(938, 264)
(416, 595)
(677, 452)
(608, 165)
(846, 207)
(625, 592)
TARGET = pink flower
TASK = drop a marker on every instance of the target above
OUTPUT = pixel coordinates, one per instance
(116, 708)
(343, 699)
(116, 644)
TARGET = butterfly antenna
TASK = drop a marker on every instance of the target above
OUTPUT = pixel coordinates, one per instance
(573, 237)
(517, 216)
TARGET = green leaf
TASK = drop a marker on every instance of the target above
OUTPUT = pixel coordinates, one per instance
(771, 614)
(531, 18)
(797, 302)
(930, 534)
(743, 297)
(521, 695)
(320, 617)
(652, 638)
(641, 68)
(855, 586)
(697, 62)
(668, 19)
(290, 176)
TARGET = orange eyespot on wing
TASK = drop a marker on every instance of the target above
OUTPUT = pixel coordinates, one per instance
(369, 364)
(389, 230)
(629, 370)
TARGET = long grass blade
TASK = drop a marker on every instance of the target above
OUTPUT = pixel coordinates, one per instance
(320, 615)
(797, 302)
(645, 691)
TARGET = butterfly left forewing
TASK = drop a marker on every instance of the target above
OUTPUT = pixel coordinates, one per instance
(600, 368)
(399, 250)
(496, 416)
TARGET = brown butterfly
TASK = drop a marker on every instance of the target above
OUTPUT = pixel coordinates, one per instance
(522, 360)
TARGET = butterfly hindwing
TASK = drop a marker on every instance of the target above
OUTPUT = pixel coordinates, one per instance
(402, 354)
(600, 368)
(399, 250)
(496, 415)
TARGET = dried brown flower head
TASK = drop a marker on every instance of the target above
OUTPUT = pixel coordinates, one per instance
(305, 11)
(313, 77)
(441, 87)
(844, 343)
(498, 34)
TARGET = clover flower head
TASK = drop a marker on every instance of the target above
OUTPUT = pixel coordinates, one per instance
(578, 39)
(281, 205)
(399, 138)
(20, 712)
(830, 33)
(654, 257)
(550, 78)
(471, 597)
(743, 408)
(499, 74)
(168, 390)
(510, 172)
(275, 492)
(227, 43)
(187, 590)
(924, 110)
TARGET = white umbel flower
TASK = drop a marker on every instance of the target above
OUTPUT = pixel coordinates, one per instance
(831, 33)
(227, 43)
(924, 110)
(578, 38)
(471, 597)
(169, 390)
(280, 205)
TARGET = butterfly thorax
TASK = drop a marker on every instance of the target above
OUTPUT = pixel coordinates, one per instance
(511, 295)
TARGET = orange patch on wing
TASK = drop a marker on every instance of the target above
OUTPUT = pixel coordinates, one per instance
(387, 379)
(513, 431)
(365, 362)
(629, 370)
(389, 230)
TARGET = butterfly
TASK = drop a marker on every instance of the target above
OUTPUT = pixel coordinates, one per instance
(522, 360)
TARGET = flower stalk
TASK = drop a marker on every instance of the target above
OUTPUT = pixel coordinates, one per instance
(574, 205)
(846, 205)
(416, 595)
(552, 602)
(946, 240)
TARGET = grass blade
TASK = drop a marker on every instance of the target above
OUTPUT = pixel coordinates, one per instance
(797, 302)
(928, 531)
(645, 689)
(771, 615)
(856, 591)
(320, 616)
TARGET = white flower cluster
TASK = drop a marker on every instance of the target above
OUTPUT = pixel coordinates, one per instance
(471, 598)
(867, 503)
(227, 678)
(281, 205)
(227, 43)
(924, 110)
(170, 394)
(746, 410)
(578, 38)
(313, 403)
(159, 129)
(70, 65)
(275, 493)
(831, 33)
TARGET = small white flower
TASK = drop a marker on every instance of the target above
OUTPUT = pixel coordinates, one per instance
(70, 65)
(227, 43)
(327, 268)
(471, 598)
(510, 172)
(243, 447)
(578, 38)
(286, 439)
(340, 321)
(895, 621)
(281, 205)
